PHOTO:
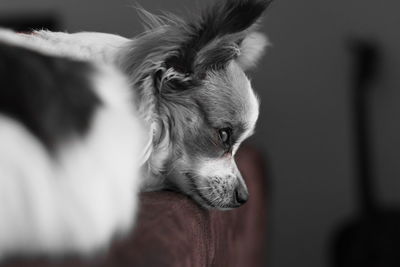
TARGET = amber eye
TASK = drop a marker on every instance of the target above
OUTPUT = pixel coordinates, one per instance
(225, 136)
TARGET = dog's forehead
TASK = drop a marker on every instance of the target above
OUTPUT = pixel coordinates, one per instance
(228, 98)
(242, 89)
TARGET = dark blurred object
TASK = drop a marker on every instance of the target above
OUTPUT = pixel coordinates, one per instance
(174, 231)
(366, 60)
(373, 238)
(29, 22)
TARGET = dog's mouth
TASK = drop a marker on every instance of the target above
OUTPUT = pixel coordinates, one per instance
(201, 195)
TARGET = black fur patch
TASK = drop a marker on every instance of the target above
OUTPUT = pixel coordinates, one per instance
(51, 96)
(216, 58)
(225, 17)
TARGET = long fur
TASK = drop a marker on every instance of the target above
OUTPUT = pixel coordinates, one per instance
(163, 97)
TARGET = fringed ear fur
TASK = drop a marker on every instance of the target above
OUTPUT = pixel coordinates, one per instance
(223, 27)
(251, 49)
(175, 52)
(163, 77)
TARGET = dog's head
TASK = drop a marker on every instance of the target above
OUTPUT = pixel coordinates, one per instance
(192, 75)
(217, 116)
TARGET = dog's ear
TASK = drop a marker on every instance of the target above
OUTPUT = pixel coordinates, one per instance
(251, 49)
(174, 53)
(166, 79)
(224, 32)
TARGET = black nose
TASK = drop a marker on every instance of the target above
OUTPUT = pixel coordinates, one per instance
(241, 194)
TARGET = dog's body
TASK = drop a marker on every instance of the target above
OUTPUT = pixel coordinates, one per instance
(89, 119)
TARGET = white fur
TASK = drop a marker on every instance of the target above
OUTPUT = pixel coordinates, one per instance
(222, 167)
(92, 46)
(251, 50)
(78, 200)
(253, 110)
(250, 111)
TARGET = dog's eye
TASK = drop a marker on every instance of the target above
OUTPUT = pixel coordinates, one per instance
(225, 135)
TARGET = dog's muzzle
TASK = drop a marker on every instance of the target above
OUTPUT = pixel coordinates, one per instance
(219, 192)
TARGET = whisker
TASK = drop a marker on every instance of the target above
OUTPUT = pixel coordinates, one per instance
(206, 187)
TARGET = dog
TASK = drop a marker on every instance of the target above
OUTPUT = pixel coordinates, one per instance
(87, 120)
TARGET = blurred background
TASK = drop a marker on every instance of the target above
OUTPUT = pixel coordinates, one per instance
(306, 83)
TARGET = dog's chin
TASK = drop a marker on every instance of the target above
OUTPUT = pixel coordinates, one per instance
(205, 203)
(196, 194)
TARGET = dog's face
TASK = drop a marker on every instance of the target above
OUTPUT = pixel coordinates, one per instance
(214, 119)
(193, 73)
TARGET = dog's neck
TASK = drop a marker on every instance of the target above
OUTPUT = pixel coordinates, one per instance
(156, 121)
(135, 61)
(157, 152)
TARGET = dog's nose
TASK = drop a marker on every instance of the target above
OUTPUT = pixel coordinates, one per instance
(241, 194)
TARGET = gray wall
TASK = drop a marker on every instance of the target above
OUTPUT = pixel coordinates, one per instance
(305, 127)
